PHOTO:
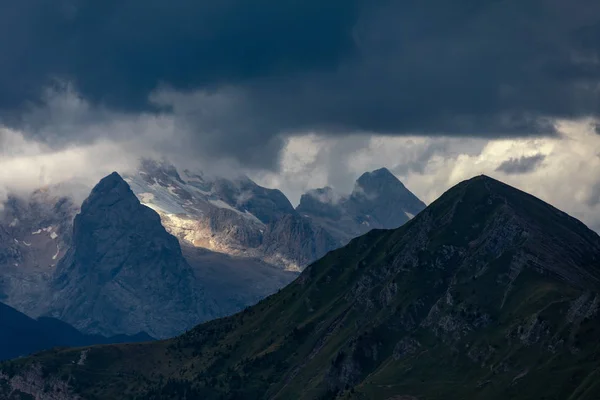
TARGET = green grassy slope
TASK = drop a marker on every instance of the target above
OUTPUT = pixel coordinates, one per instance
(487, 294)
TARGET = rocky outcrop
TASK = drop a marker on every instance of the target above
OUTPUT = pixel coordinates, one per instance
(124, 273)
(296, 242)
(379, 201)
(35, 232)
(35, 384)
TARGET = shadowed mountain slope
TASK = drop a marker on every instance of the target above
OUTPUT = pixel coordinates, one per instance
(489, 293)
(21, 335)
(124, 273)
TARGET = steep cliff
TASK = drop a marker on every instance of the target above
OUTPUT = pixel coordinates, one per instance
(124, 273)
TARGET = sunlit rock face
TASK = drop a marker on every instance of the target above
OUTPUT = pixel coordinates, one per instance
(240, 218)
(232, 216)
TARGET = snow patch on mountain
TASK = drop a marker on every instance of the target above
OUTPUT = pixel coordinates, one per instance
(232, 216)
(155, 196)
(55, 256)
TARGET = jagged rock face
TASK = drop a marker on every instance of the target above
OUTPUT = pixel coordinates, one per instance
(321, 203)
(124, 273)
(267, 205)
(379, 201)
(489, 293)
(295, 241)
(34, 234)
(232, 216)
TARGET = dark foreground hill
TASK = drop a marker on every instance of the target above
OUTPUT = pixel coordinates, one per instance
(21, 335)
(489, 293)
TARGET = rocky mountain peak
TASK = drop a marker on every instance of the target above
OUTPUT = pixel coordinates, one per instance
(485, 212)
(322, 202)
(118, 242)
(160, 171)
(245, 195)
(381, 185)
(378, 177)
(110, 190)
(379, 200)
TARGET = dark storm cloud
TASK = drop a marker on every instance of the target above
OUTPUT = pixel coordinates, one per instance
(471, 68)
(119, 51)
(521, 165)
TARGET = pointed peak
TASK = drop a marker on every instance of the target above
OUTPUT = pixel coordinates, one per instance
(110, 181)
(378, 174)
(381, 171)
(378, 182)
(485, 195)
(482, 178)
(114, 175)
(159, 169)
(109, 190)
(488, 183)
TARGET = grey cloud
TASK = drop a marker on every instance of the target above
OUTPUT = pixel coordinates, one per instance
(521, 165)
(421, 157)
(117, 52)
(238, 76)
(594, 198)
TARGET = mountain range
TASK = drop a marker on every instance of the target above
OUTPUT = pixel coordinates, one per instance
(112, 265)
(489, 293)
(240, 218)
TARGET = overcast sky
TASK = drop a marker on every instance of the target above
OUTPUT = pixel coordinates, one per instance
(306, 94)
